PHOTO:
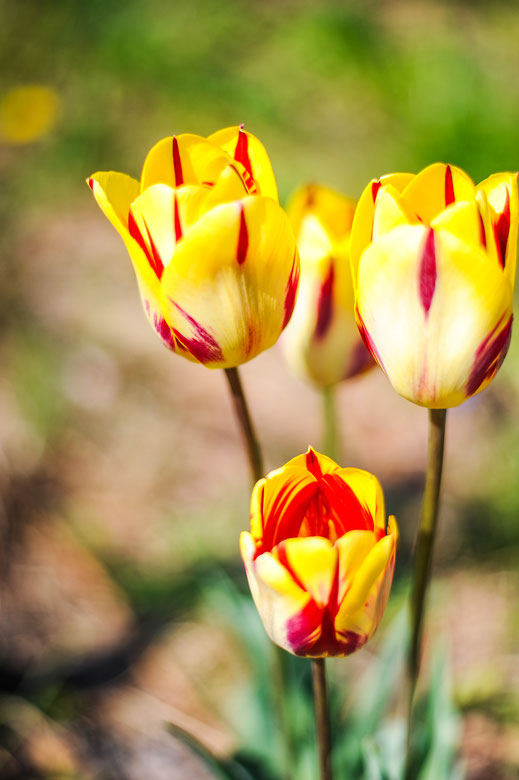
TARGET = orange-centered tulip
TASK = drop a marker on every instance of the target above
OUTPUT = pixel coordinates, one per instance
(322, 342)
(214, 253)
(319, 558)
(433, 262)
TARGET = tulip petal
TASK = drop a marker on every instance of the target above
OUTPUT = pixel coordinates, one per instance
(362, 227)
(435, 188)
(250, 153)
(352, 549)
(225, 294)
(367, 574)
(369, 493)
(428, 343)
(501, 193)
(333, 211)
(183, 159)
(312, 562)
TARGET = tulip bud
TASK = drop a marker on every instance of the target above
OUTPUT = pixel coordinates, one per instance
(213, 252)
(319, 558)
(322, 342)
(433, 261)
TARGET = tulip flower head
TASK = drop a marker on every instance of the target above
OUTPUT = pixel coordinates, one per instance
(213, 252)
(322, 342)
(433, 261)
(319, 557)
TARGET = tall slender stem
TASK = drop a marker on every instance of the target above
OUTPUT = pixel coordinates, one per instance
(331, 438)
(424, 556)
(247, 428)
(256, 467)
(322, 718)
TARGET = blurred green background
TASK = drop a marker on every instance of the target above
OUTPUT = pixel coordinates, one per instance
(122, 480)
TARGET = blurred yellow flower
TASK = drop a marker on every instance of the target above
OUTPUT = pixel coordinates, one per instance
(319, 556)
(322, 341)
(214, 253)
(27, 113)
(433, 261)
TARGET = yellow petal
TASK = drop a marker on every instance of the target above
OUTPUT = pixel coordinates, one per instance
(362, 227)
(501, 194)
(450, 300)
(230, 289)
(463, 220)
(183, 159)
(247, 150)
(332, 210)
(390, 212)
(369, 492)
(367, 574)
(312, 460)
(312, 562)
(352, 549)
(435, 188)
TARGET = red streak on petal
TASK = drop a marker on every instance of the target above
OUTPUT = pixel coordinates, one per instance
(449, 187)
(241, 153)
(153, 257)
(243, 238)
(290, 292)
(375, 186)
(482, 234)
(312, 464)
(366, 338)
(489, 356)
(427, 272)
(325, 305)
(177, 164)
(164, 331)
(203, 346)
(91, 184)
(178, 226)
(502, 229)
(360, 360)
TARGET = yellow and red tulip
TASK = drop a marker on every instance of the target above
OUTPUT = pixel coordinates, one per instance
(322, 342)
(213, 252)
(433, 261)
(319, 557)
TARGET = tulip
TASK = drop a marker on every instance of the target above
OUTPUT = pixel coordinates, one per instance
(213, 252)
(322, 342)
(433, 261)
(319, 558)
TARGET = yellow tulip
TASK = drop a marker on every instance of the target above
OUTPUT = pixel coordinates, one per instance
(319, 557)
(433, 261)
(322, 342)
(213, 252)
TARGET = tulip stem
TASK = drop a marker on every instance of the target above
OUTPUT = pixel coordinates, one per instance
(322, 718)
(423, 558)
(331, 439)
(247, 428)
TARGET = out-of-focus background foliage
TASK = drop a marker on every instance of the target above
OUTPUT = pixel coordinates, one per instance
(122, 480)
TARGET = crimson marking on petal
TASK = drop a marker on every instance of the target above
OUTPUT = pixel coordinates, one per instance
(375, 186)
(502, 229)
(91, 183)
(152, 256)
(164, 331)
(482, 234)
(489, 356)
(243, 238)
(360, 360)
(177, 164)
(312, 464)
(241, 152)
(203, 346)
(366, 338)
(291, 291)
(325, 305)
(178, 226)
(303, 629)
(427, 272)
(449, 187)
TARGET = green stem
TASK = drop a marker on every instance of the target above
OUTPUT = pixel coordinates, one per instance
(246, 426)
(322, 718)
(424, 556)
(331, 438)
(256, 467)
